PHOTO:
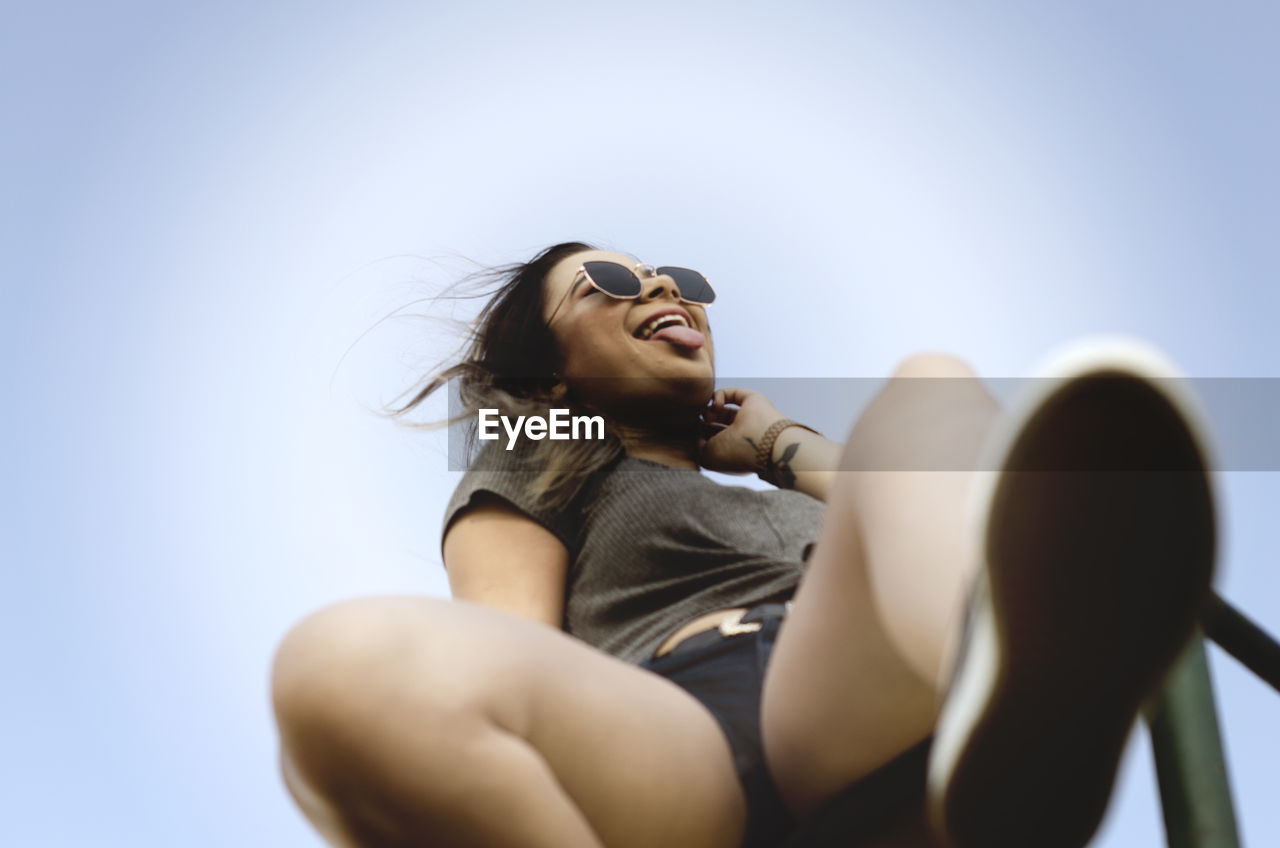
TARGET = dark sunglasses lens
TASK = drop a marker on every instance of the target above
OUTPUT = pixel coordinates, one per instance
(613, 278)
(693, 286)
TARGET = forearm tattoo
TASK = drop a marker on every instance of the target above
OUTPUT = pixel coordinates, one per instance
(782, 473)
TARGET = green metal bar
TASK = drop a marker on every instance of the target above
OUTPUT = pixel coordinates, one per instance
(1242, 639)
(1195, 793)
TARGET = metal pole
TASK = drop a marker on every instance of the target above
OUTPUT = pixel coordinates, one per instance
(1242, 639)
(1195, 793)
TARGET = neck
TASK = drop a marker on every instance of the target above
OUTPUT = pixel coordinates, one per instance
(675, 449)
(658, 430)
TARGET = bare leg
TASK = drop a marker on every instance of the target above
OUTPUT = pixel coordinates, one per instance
(411, 721)
(933, 418)
(852, 682)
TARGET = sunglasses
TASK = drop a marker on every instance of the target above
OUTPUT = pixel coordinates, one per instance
(621, 282)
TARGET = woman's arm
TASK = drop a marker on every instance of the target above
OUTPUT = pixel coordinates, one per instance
(802, 460)
(499, 557)
(805, 461)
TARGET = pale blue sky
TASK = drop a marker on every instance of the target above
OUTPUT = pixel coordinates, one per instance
(205, 205)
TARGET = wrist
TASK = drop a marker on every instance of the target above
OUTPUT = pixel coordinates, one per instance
(766, 467)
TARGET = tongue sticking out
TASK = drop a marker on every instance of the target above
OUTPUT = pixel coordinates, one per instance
(682, 336)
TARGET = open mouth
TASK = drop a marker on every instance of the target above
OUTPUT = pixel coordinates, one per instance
(674, 326)
(669, 319)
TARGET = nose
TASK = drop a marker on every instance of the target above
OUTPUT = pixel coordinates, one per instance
(655, 286)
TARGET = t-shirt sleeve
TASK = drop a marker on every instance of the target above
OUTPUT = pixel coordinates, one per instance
(509, 476)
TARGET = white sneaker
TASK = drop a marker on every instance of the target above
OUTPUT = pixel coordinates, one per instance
(1095, 522)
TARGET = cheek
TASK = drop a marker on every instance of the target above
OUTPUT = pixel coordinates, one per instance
(710, 347)
(593, 345)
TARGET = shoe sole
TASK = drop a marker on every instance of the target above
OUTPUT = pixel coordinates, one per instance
(1098, 535)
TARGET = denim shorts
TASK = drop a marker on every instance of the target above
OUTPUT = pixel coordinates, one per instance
(727, 674)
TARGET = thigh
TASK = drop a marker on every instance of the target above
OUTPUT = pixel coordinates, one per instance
(644, 762)
(839, 699)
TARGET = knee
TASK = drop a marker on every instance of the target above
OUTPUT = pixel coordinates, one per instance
(332, 668)
(355, 687)
(316, 654)
(933, 364)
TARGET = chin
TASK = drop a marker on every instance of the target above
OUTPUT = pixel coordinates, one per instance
(690, 391)
(690, 382)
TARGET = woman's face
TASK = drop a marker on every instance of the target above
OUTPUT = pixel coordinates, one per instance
(606, 359)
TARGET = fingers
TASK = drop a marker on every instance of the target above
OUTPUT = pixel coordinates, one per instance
(719, 419)
(733, 395)
(717, 413)
(711, 428)
(719, 408)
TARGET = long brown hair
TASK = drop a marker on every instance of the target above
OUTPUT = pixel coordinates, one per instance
(512, 363)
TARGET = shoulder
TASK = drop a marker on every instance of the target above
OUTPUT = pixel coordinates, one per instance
(519, 480)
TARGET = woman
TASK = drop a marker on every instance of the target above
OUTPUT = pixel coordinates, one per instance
(688, 703)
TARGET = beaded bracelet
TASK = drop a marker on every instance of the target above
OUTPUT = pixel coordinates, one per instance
(764, 451)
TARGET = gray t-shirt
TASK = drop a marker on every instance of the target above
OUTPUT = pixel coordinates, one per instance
(652, 547)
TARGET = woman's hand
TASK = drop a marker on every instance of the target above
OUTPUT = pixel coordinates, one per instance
(736, 421)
